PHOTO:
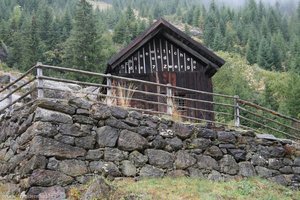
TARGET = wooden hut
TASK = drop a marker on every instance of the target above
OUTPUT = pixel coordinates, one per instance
(164, 54)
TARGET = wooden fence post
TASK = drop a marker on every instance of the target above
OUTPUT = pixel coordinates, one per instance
(169, 100)
(40, 82)
(236, 111)
(109, 90)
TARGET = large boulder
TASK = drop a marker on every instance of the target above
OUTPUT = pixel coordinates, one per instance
(151, 171)
(45, 115)
(184, 160)
(228, 165)
(71, 130)
(86, 142)
(214, 152)
(226, 137)
(73, 167)
(95, 154)
(265, 172)
(100, 112)
(59, 105)
(138, 159)
(53, 193)
(107, 136)
(128, 168)
(114, 154)
(50, 147)
(36, 162)
(118, 113)
(48, 178)
(183, 131)
(246, 169)
(105, 168)
(200, 143)
(80, 102)
(207, 162)
(130, 141)
(160, 158)
(98, 189)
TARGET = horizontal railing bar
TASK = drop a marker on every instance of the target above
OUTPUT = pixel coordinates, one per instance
(203, 101)
(137, 91)
(205, 120)
(18, 79)
(199, 109)
(141, 100)
(133, 108)
(18, 88)
(202, 92)
(26, 105)
(72, 81)
(268, 127)
(104, 95)
(268, 119)
(252, 129)
(266, 109)
(72, 70)
(19, 99)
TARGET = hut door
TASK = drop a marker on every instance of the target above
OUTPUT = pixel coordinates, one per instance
(169, 77)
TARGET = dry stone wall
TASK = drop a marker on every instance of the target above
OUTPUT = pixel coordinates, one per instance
(62, 143)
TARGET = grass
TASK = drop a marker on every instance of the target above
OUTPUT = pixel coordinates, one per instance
(124, 92)
(188, 189)
(197, 189)
(4, 193)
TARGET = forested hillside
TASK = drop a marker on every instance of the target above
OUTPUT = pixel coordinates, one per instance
(74, 33)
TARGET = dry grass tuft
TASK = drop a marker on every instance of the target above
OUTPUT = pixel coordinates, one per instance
(124, 93)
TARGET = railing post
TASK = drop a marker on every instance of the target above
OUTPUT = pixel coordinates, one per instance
(169, 100)
(40, 82)
(109, 90)
(10, 97)
(236, 111)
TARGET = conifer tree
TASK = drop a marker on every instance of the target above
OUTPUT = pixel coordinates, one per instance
(264, 58)
(252, 49)
(80, 51)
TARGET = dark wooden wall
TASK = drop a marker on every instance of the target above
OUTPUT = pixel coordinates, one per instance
(161, 61)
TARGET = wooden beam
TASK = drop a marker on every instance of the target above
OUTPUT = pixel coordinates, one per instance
(135, 47)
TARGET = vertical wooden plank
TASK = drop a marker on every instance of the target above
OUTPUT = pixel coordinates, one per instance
(126, 67)
(144, 61)
(150, 57)
(155, 56)
(139, 64)
(178, 57)
(167, 53)
(161, 55)
(132, 67)
(184, 58)
(172, 55)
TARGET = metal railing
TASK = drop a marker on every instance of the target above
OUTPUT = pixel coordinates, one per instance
(163, 100)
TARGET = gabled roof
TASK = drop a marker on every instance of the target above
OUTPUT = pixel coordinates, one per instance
(176, 36)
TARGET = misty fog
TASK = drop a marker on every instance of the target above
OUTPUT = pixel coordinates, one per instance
(285, 5)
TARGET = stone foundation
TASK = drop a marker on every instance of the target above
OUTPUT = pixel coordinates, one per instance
(62, 143)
